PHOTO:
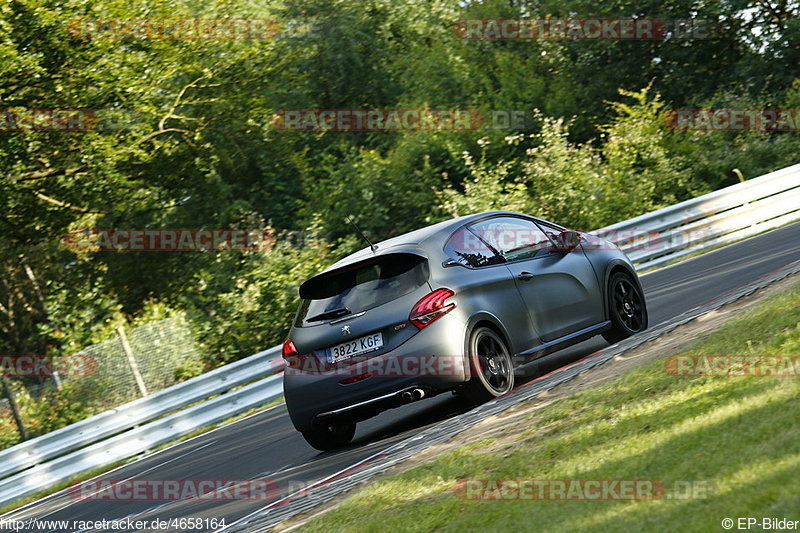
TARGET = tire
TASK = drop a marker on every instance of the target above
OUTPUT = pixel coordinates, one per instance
(328, 438)
(490, 365)
(627, 310)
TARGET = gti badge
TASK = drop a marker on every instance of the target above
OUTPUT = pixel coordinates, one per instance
(345, 330)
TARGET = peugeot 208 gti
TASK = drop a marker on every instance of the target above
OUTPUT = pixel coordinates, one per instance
(456, 306)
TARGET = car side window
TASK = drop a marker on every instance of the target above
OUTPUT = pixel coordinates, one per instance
(465, 247)
(514, 238)
(550, 230)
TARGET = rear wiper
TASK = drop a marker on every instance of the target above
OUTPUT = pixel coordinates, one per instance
(335, 313)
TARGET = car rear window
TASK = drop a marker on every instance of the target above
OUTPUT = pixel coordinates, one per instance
(355, 288)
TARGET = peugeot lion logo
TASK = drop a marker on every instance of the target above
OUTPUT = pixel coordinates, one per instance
(345, 330)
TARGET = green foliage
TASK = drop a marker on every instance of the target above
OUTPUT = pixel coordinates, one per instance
(640, 172)
(630, 172)
(488, 187)
(565, 180)
(188, 370)
(255, 312)
(51, 409)
(55, 408)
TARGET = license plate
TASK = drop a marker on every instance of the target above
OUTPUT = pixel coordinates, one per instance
(346, 350)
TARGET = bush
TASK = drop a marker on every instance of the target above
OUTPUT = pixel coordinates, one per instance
(257, 311)
(580, 185)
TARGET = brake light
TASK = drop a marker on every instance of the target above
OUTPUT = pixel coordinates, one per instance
(431, 307)
(288, 348)
(291, 356)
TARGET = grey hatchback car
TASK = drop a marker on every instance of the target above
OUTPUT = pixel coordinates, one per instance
(462, 306)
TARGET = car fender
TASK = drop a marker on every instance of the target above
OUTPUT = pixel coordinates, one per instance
(485, 316)
(625, 264)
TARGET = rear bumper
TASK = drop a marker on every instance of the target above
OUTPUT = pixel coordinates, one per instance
(431, 360)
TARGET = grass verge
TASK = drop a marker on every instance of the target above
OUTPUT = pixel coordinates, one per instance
(736, 438)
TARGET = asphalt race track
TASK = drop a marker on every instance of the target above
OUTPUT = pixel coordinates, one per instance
(266, 445)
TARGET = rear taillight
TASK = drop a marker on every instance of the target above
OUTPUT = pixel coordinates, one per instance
(291, 356)
(431, 307)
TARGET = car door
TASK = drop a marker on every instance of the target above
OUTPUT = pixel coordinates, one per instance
(487, 285)
(559, 287)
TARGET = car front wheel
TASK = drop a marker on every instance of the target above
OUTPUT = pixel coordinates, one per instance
(626, 308)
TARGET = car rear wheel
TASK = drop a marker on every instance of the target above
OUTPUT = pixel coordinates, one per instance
(330, 437)
(626, 308)
(490, 366)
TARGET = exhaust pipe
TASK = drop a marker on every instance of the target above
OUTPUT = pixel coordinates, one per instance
(408, 396)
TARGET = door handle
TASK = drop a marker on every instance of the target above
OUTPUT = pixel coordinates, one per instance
(525, 276)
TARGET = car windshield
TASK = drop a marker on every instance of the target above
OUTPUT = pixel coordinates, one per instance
(360, 287)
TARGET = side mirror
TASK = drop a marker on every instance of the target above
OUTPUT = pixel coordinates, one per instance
(568, 240)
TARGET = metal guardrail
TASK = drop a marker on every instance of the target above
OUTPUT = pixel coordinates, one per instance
(136, 427)
(140, 439)
(650, 240)
(721, 217)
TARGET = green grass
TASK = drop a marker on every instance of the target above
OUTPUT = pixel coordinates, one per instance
(739, 437)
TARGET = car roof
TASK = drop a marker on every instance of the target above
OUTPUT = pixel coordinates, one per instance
(419, 241)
